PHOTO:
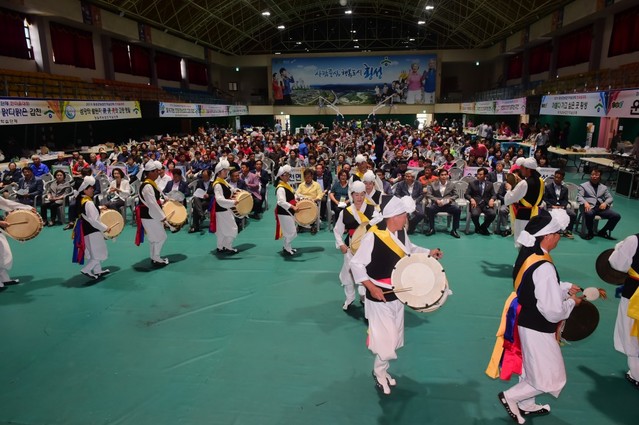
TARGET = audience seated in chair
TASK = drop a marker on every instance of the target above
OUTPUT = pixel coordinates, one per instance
(481, 195)
(409, 187)
(29, 188)
(53, 199)
(118, 192)
(595, 200)
(442, 195)
(202, 205)
(556, 197)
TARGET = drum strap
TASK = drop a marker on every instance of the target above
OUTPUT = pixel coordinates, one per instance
(633, 305)
(509, 319)
(362, 217)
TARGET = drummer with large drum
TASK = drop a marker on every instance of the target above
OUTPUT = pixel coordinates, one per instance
(381, 249)
(357, 215)
(225, 227)
(285, 226)
(149, 215)
(6, 257)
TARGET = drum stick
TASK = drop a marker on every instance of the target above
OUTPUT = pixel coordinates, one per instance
(397, 290)
(302, 209)
(18, 222)
(170, 215)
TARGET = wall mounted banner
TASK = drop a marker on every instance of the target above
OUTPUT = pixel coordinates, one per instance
(355, 80)
(214, 110)
(623, 104)
(511, 106)
(179, 110)
(468, 108)
(23, 111)
(485, 108)
(238, 110)
(580, 105)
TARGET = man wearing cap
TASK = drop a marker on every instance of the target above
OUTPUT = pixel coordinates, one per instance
(286, 206)
(223, 222)
(525, 197)
(380, 250)
(542, 301)
(88, 238)
(350, 218)
(6, 257)
(149, 216)
(625, 258)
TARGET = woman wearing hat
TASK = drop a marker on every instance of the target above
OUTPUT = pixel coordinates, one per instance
(380, 250)
(223, 221)
(88, 238)
(149, 216)
(285, 223)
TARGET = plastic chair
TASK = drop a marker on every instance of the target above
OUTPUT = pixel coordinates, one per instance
(455, 173)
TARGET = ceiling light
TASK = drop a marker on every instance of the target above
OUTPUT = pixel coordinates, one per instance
(348, 12)
(298, 42)
(266, 13)
(357, 47)
(411, 39)
(477, 63)
(430, 7)
(280, 27)
(421, 22)
(278, 53)
(353, 31)
(355, 39)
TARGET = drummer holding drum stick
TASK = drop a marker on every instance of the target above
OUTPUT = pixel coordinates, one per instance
(223, 221)
(286, 206)
(149, 215)
(380, 250)
(6, 257)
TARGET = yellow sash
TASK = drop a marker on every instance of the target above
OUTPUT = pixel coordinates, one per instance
(362, 216)
(493, 365)
(534, 208)
(220, 180)
(633, 306)
(384, 236)
(152, 183)
(285, 186)
(85, 199)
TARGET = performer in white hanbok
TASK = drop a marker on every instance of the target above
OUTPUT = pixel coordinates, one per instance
(348, 221)
(532, 349)
(6, 257)
(149, 214)
(372, 194)
(381, 248)
(524, 199)
(625, 258)
(224, 225)
(284, 222)
(88, 238)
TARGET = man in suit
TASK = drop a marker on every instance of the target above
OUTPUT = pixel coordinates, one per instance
(442, 195)
(201, 205)
(324, 177)
(481, 195)
(29, 187)
(409, 187)
(498, 175)
(556, 197)
(595, 199)
(177, 184)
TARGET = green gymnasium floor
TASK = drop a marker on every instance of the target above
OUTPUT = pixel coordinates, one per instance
(259, 339)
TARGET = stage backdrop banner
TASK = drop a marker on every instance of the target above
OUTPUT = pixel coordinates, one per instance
(485, 108)
(82, 110)
(356, 80)
(580, 105)
(511, 106)
(235, 110)
(179, 110)
(468, 108)
(214, 110)
(623, 104)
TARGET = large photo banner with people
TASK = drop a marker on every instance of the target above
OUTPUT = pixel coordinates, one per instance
(355, 80)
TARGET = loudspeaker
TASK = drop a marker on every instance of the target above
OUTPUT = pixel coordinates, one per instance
(627, 183)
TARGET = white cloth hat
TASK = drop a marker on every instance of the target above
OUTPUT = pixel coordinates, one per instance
(545, 223)
(519, 161)
(284, 169)
(360, 158)
(530, 163)
(369, 176)
(396, 206)
(358, 187)
(152, 165)
(87, 182)
(222, 165)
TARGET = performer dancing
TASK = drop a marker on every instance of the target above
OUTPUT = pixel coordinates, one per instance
(625, 258)
(88, 238)
(6, 257)
(223, 222)
(349, 219)
(372, 194)
(531, 348)
(525, 197)
(380, 250)
(149, 216)
(285, 223)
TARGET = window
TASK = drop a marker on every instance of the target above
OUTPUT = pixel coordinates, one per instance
(72, 46)
(15, 35)
(625, 33)
(232, 86)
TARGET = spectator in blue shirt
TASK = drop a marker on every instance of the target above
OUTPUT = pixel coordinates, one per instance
(38, 168)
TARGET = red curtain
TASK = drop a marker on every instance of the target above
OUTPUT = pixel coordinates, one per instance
(140, 61)
(14, 42)
(168, 67)
(539, 60)
(515, 67)
(198, 74)
(625, 33)
(72, 46)
(574, 48)
(120, 54)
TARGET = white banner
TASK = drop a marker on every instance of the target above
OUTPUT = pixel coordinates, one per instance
(214, 110)
(83, 110)
(238, 110)
(623, 104)
(511, 106)
(547, 172)
(179, 110)
(468, 108)
(485, 108)
(582, 105)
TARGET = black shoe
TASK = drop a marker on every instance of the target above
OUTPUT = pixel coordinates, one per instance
(505, 233)
(605, 234)
(542, 411)
(90, 275)
(192, 230)
(313, 230)
(287, 253)
(11, 282)
(158, 263)
(231, 251)
(454, 234)
(588, 237)
(632, 381)
(68, 227)
(431, 232)
(504, 402)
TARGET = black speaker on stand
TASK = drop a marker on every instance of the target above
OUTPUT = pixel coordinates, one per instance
(627, 183)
